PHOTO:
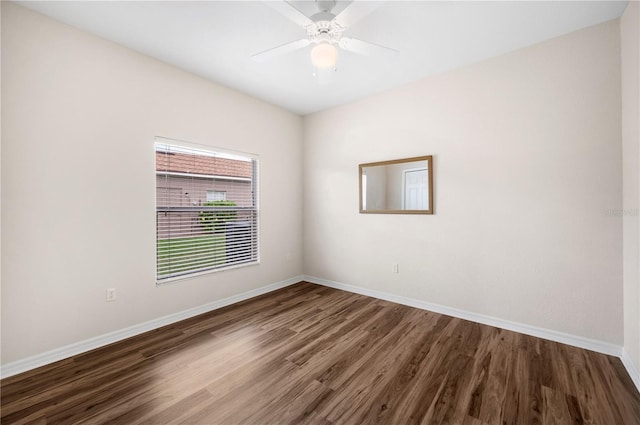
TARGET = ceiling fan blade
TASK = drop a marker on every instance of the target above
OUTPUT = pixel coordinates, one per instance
(281, 50)
(365, 48)
(356, 11)
(288, 11)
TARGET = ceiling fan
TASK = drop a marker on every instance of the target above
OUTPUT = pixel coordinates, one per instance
(325, 31)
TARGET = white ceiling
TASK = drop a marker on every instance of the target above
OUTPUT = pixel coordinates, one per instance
(215, 39)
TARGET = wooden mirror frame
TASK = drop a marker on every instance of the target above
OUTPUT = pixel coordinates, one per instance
(427, 158)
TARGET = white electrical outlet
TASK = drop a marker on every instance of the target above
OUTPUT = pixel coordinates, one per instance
(394, 267)
(111, 294)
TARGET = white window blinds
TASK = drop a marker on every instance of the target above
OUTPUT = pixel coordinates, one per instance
(195, 233)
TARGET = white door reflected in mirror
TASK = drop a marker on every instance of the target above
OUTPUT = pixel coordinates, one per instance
(403, 186)
(415, 189)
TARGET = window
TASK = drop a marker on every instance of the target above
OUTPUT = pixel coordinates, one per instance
(215, 195)
(206, 210)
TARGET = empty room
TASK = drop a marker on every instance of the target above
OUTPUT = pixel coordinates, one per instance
(320, 212)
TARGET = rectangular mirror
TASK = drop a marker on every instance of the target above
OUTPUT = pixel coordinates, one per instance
(401, 186)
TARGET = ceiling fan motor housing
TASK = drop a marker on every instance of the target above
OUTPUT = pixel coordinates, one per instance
(324, 29)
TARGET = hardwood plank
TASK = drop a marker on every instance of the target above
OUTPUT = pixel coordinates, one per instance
(308, 354)
(446, 405)
(388, 399)
(555, 411)
(297, 403)
(470, 420)
(498, 372)
(517, 391)
(416, 403)
(363, 383)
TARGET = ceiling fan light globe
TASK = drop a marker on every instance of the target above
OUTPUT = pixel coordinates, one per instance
(324, 55)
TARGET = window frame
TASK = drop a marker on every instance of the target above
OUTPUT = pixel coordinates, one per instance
(256, 216)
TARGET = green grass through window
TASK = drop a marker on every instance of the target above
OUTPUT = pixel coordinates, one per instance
(178, 255)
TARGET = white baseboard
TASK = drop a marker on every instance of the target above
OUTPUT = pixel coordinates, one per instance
(632, 369)
(61, 353)
(577, 341)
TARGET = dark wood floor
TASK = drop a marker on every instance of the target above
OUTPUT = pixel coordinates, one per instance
(313, 355)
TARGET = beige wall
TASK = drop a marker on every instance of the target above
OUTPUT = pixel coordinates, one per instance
(630, 46)
(78, 183)
(527, 169)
